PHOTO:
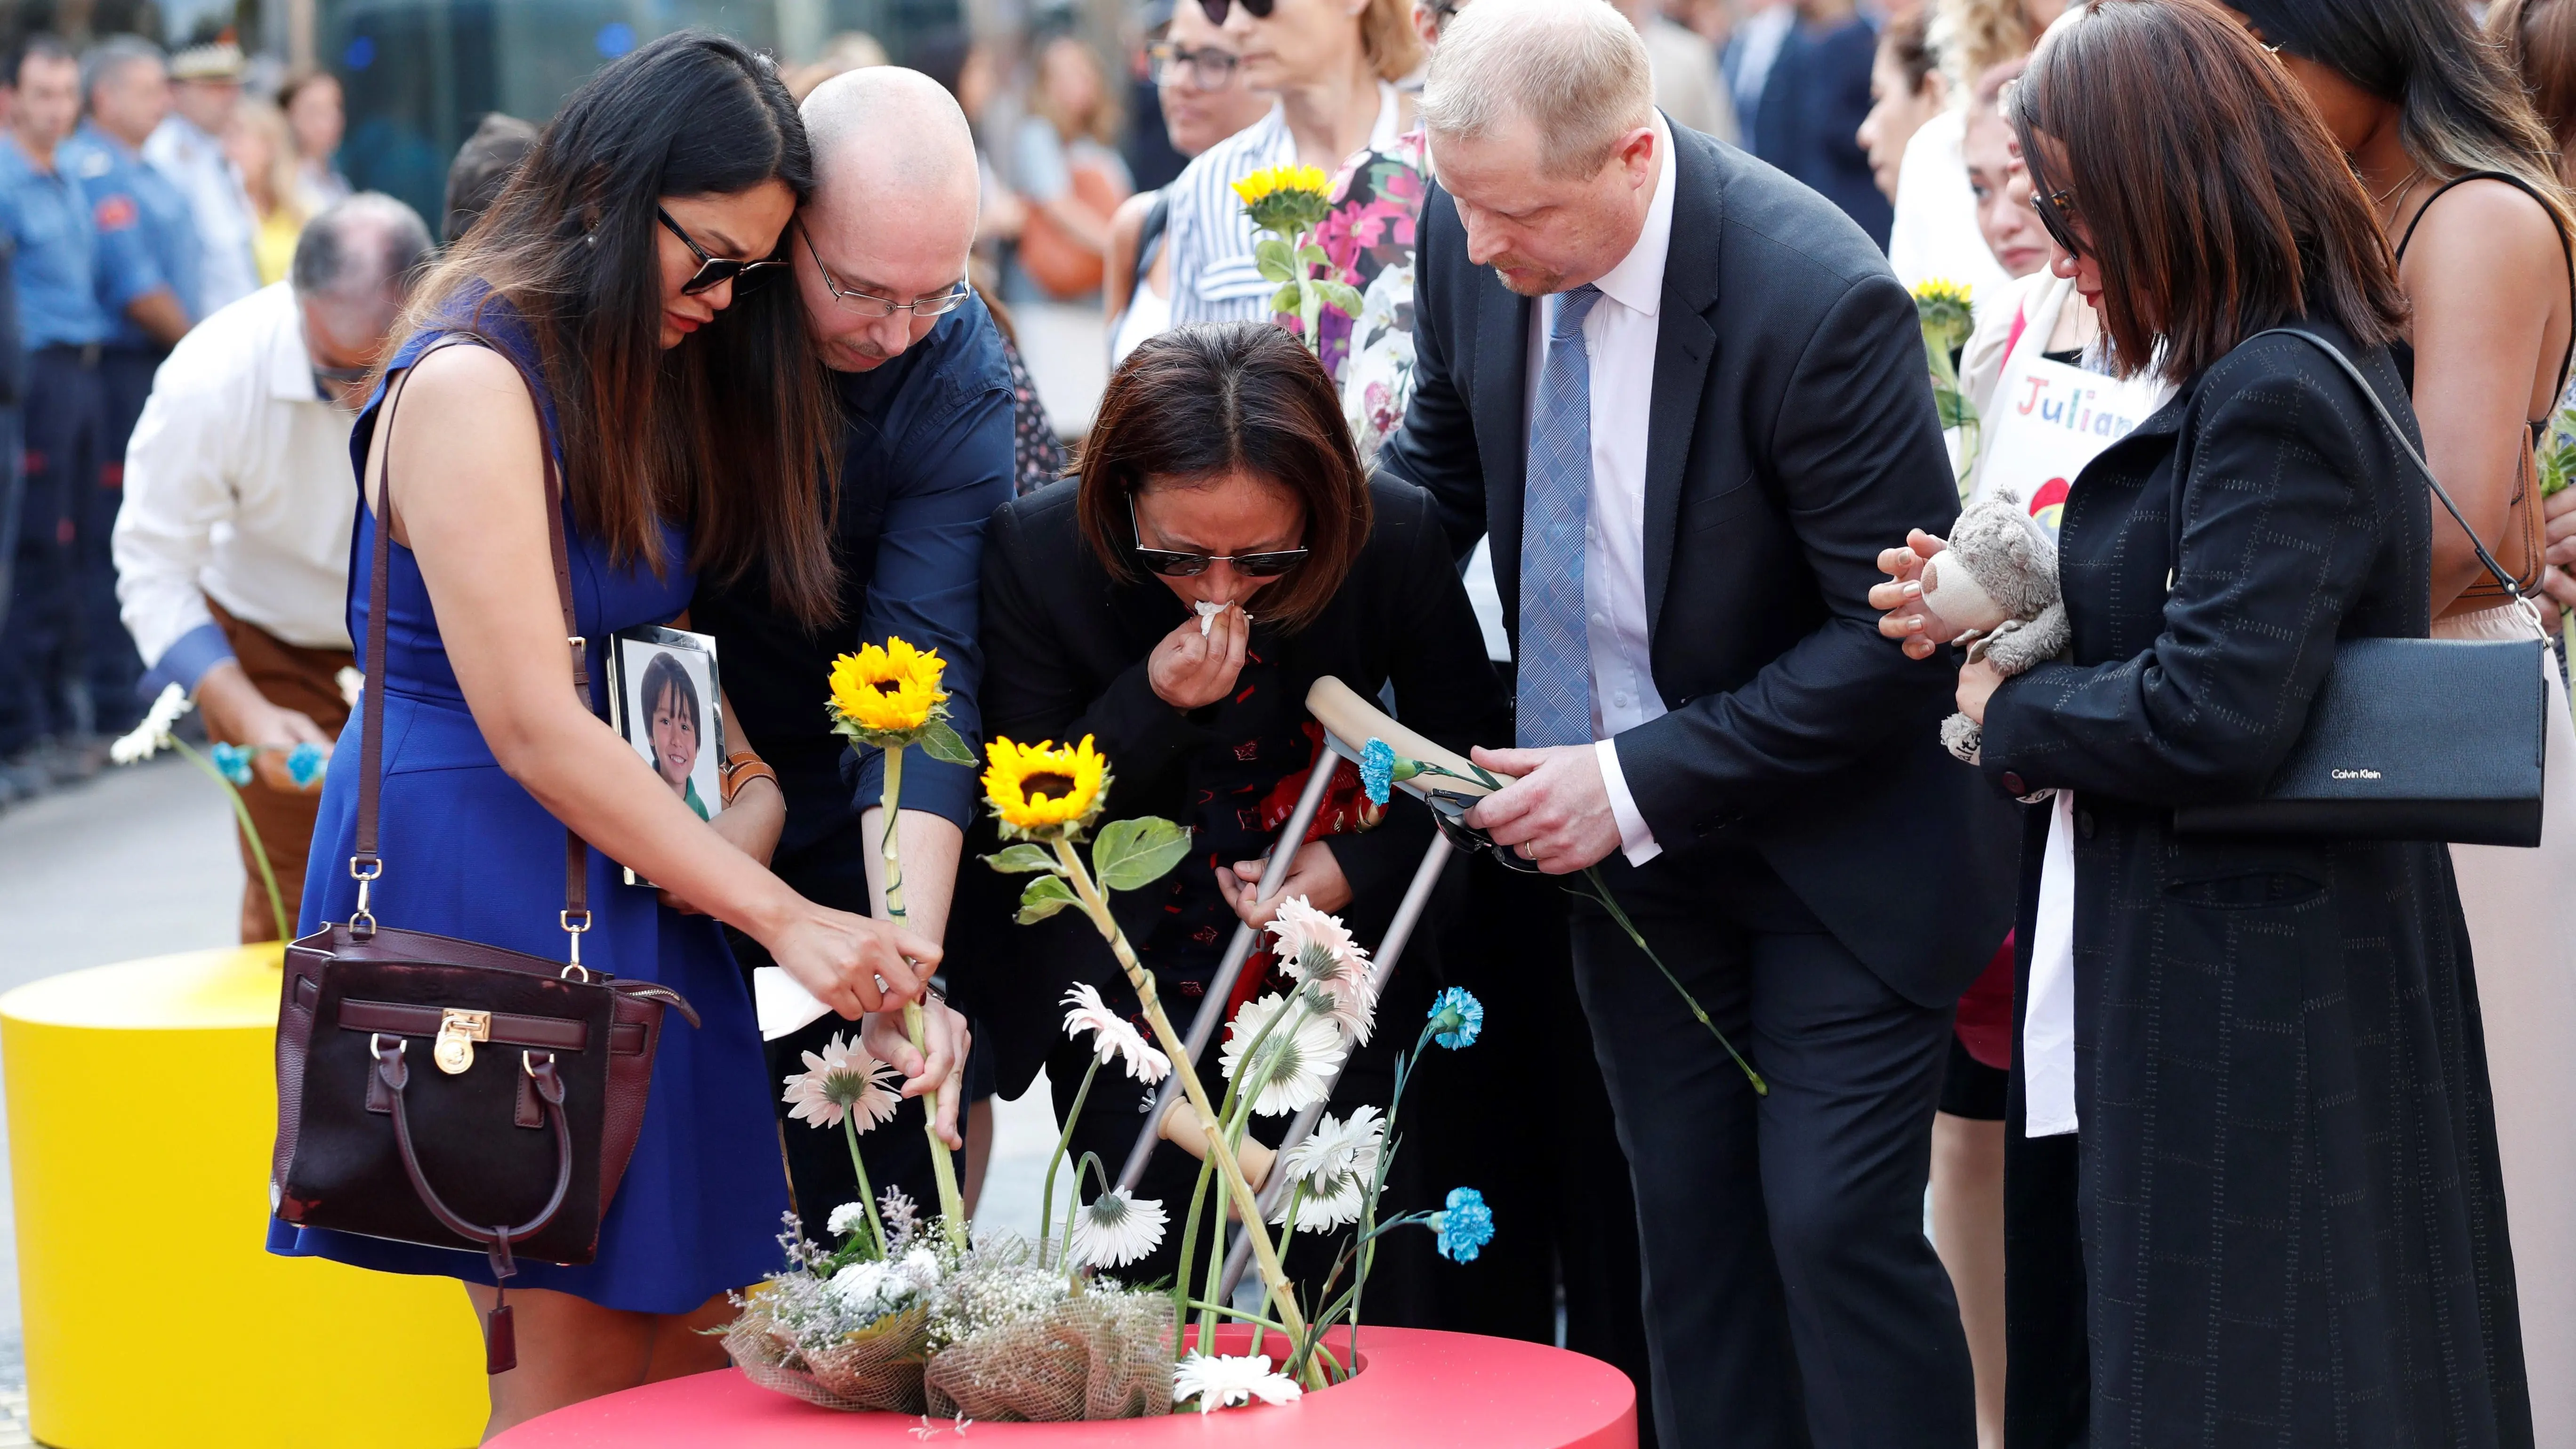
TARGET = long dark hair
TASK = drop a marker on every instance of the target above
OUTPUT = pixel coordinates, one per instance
(2461, 109)
(1196, 403)
(2539, 41)
(733, 432)
(2214, 198)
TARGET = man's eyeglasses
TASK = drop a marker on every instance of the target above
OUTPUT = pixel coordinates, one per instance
(1449, 811)
(1172, 564)
(868, 304)
(715, 271)
(1257, 9)
(1207, 69)
(2057, 213)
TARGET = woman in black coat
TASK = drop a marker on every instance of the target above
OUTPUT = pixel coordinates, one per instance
(2283, 1184)
(1219, 472)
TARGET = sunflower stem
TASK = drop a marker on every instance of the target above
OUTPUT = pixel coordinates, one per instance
(1229, 1170)
(943, 1169)
(1064, 1139)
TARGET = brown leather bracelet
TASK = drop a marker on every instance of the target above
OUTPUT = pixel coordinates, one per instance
(740, 767)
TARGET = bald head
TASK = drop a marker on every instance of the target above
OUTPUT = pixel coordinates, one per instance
(892, 214)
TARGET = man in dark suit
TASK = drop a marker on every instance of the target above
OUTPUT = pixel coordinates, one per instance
(1689, 403)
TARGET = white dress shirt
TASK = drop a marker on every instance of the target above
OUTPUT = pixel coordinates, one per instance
(226, 269)
(1619, 338)
(237, 487)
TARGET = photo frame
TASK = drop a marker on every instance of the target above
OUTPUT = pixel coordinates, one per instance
(663, 693)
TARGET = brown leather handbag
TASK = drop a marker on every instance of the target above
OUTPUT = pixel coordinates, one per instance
(508, 1133)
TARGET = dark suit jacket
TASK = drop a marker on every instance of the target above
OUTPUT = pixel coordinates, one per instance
(1809, 121)
(2280, 1074)
(1068, 646)
(1792, 438)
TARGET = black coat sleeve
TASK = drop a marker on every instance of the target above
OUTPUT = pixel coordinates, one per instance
(1435, 449)
(2281, 531)
(1857, 457)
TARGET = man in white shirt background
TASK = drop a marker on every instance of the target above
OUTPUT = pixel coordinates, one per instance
(232, 549)
(188, 146)
(1686, 399)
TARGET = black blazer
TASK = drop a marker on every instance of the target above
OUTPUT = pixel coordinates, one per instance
(2279, 1070)
(1792, 438)
(1066, 647)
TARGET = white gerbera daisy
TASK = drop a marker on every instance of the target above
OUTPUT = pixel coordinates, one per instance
(1113, 1035)
(1222, 1383)
(1115, 1229)
(146, 739)
(846, 1219)
(1301, 1055)
(844, 1080)
(1317, 950)
(1333, 1168)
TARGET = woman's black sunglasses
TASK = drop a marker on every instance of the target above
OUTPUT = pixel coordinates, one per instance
(715, 271)
(1172, 564)
(2057, 213)
(1257, 9)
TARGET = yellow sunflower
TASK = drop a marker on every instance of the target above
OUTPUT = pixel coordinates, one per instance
(1286, 199)
(1045, 786)
(891, 689)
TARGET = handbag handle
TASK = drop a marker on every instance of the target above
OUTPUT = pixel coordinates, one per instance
(367, 865)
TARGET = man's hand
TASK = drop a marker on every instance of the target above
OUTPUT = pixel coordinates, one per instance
(939, 1067)
(1557, 814)
(1190, 670)
(1902, 597)
(1314, 874)
(237, 713)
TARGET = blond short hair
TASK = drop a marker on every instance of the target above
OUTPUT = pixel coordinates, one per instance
(1574, 69)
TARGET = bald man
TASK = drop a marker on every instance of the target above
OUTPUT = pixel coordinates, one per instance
(880, 257)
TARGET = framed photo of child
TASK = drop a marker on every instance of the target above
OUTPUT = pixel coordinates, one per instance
(662, 697)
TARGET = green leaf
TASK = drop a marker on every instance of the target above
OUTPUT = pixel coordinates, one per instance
(1341, 298)
(1131, 854)
(1313, 256)
(940, 742)
(1023, 858)
(1276, 261)
(1289, 298)
(1044, 897)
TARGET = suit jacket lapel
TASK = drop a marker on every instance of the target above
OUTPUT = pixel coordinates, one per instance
(1684, 344)
(1500, 406)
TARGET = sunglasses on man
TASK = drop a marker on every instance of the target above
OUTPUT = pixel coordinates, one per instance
(1173, 564)
(714, 271)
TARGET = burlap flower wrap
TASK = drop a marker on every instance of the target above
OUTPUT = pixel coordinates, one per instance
(1100, 1355)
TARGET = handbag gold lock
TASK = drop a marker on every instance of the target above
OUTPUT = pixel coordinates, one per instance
(458, 1031)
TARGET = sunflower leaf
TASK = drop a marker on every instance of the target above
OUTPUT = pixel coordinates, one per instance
(1044, 897)
(1022, 858)
(1274, 259)
(1342, 298)
(1131, 854)
(1287, 299)
(944, 744)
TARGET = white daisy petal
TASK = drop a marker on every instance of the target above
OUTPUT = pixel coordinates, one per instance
(1115, 1229)
(1303, 1054)
(146, 739)
(1113, 1036)
(1222, 1383)
(844, 1080)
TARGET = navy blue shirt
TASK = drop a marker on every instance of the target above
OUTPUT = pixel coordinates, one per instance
(47, 217)
(147, 236)
(926, 458)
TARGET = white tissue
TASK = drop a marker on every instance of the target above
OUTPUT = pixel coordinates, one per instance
(1207, 616)
(780, 1004)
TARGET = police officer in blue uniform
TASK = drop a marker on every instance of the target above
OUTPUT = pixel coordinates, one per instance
(147, 284)
(47, 216)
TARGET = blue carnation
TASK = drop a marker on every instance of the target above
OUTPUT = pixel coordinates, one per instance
(1465, 1226)
(1459, 1016)
(232, 762)
(305, 764)
(1377, 770)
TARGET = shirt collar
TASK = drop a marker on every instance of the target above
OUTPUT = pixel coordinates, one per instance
(1637, 283)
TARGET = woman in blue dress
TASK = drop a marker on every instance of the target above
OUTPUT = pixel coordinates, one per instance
(685, 412)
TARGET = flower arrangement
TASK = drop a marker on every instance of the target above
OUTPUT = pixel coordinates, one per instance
(1942, 307)
(1288, 203)
(229, 766)
(888, 696)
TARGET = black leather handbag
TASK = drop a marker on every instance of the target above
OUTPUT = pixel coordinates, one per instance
(508, 1134)
(2408, 739)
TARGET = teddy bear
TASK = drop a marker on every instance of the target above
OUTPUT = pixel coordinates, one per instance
(1996, 584)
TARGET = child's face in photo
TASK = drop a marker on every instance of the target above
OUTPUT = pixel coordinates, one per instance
(675, 740)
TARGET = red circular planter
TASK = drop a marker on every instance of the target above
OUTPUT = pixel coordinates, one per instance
(1415, 1387)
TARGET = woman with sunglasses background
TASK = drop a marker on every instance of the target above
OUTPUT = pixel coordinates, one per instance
(684, 412)
(1333, 65)
(2464, 178)
(1218, 473)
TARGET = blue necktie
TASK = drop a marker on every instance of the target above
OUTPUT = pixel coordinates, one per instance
(1555, 655)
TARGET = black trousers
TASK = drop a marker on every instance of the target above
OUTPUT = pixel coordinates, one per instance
(1791, 1298)
(39, 657)
(108, 660)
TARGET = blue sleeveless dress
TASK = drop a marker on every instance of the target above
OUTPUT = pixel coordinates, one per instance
(468, 853)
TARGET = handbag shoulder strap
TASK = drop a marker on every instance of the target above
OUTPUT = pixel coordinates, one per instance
(367, 864)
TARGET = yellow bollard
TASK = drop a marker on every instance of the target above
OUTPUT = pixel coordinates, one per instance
(142, 1105)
